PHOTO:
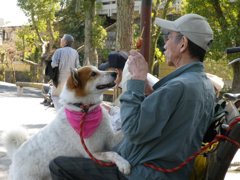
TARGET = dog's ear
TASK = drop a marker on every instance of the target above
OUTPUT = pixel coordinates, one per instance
(75, 77)
(87, 62)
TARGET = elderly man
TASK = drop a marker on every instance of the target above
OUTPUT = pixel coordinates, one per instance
(166, 127)
(64, 58)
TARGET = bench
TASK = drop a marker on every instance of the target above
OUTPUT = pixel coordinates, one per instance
(113, 92)
(20, 86)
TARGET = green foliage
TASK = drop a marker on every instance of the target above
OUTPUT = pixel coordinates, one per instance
(103, 55)
(159, 55)
(42, 15)
(72, 21)
(136, 30)
(26, 42)
(219, 68)
(99, 34)
(224, 20)
(43, 9)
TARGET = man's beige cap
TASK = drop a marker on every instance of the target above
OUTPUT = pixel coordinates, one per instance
(193, 26)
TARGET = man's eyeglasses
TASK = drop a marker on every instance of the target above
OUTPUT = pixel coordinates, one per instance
(167, 34)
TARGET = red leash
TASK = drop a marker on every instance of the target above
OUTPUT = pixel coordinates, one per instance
(102, 163)
(217, 139)
(165, 170)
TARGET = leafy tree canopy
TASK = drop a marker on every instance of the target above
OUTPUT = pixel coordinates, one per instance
(224, 18)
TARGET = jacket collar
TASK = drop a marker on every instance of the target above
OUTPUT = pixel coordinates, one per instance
(192, 67)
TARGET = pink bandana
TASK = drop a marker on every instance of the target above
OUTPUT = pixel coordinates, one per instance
(91, 120)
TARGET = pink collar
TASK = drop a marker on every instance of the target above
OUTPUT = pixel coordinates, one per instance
(91, 120)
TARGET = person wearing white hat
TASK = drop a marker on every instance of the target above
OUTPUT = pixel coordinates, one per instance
(166, 127)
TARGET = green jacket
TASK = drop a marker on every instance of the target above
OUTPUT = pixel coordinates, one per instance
(166, 127)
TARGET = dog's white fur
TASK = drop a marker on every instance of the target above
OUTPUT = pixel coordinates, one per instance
(30, 161)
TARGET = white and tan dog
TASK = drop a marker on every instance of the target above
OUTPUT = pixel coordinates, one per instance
(82, 91)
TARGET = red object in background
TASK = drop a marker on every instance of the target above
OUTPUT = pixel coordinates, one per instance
(139, 43)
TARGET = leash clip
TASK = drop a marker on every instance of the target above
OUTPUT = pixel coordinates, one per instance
(85, 108)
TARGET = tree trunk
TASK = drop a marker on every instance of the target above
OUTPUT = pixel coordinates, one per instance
(236, 79)
(109, 28)
(43, 44)
(51, 34)
(90, 53)
(35, 26)
(3, 61)
(124, 39)
(219, 12)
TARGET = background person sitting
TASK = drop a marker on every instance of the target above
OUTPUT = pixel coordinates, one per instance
(116, 62)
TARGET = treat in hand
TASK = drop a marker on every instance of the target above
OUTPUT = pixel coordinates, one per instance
(139, 43)
(139, 40)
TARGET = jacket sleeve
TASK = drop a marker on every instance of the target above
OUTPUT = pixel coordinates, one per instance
(144, 118)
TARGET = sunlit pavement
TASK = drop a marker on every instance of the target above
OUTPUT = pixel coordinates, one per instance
(16, 111)
(28, 111)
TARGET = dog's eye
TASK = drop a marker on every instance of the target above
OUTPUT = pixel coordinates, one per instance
(93, 74)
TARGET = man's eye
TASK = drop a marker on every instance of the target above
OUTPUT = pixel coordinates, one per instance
(93, 74)
(165, 35)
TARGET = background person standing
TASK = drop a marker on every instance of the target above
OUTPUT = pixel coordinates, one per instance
(64, 58)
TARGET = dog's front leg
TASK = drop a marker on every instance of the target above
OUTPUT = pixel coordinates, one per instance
(122, 164)
(114, 139)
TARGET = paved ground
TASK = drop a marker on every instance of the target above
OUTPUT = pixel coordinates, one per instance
(27, 110)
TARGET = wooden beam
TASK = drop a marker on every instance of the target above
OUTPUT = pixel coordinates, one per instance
(146, 10)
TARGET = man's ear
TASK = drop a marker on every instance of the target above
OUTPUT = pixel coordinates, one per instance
(184, 44)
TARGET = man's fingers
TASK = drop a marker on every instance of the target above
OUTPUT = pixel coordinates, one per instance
(137, 65)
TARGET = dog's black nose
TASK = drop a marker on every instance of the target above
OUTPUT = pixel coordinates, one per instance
(114, 74)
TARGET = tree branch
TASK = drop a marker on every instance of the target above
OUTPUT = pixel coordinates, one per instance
(109, 28)
(219, 12)
(30, 62)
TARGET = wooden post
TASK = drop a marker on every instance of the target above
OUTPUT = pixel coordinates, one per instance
(146, 10)
(221, 158)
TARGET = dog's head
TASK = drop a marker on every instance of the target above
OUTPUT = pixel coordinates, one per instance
(86, 85)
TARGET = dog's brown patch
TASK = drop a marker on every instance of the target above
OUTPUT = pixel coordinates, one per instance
(84, 75)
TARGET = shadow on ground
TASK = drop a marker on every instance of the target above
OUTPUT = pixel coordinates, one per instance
(10, 90)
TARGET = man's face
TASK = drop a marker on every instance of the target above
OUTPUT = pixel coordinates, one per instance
(62, 42)
(119, 75)
(172, 47)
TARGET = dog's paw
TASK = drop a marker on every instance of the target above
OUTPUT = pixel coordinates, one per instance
(124, 166)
